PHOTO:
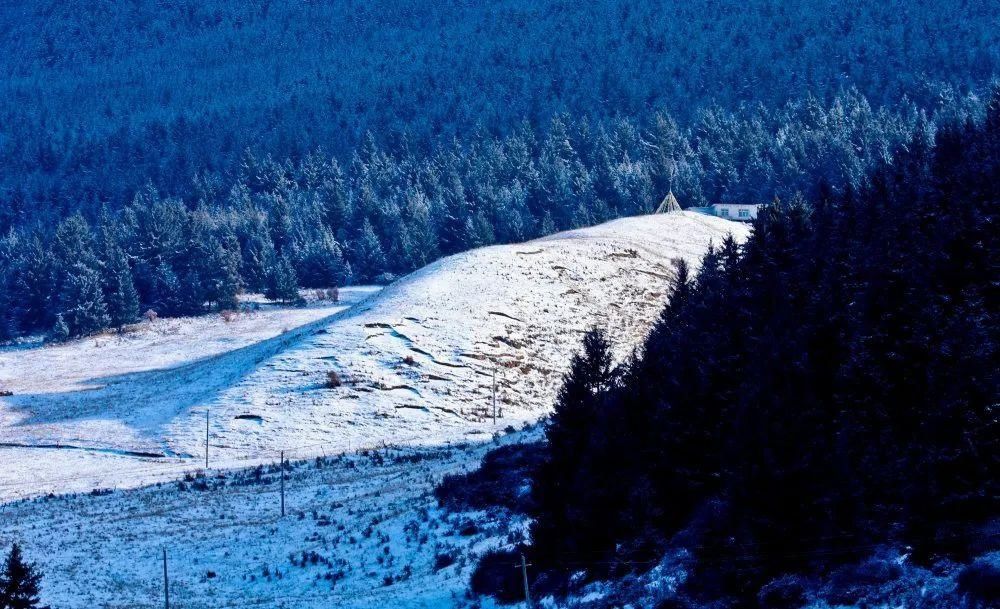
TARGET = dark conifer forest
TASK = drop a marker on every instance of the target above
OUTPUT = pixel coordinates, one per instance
(167, 155)
(828, 387)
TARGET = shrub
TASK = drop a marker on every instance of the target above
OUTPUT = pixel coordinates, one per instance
(787, 592)
(498, 575)
(443, 560)
(852, 583)
(227, 315)
(501, 481)
(981, 580)
(333, 380)
(150, 315)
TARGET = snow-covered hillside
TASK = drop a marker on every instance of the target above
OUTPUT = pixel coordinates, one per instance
(417, 363)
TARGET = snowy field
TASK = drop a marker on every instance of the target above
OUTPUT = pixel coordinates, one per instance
(86, 414)
(359, 531)
(417, 363)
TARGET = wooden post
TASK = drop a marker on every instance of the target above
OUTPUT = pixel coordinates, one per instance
(206, 439)
(524, 573)
(166, 586)
(282, 484)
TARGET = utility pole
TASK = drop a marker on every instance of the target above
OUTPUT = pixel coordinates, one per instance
(206, 438)
(166, 587)
(524, 572)
(282, 484)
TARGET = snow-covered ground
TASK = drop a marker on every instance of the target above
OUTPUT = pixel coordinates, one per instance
(417, 363)
(85, 414)
(361, 528)
(359, 531)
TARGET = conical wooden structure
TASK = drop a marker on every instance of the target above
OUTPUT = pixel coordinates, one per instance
(669, 204)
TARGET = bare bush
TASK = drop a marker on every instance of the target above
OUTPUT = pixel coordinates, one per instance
(331, 294)
(227, 315)
(333, 380)
(150, 315)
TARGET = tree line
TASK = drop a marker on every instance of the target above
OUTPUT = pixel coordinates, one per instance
(829, 386)
(320, 222)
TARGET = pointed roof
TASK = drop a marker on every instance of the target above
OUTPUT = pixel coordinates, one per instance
(669, 204)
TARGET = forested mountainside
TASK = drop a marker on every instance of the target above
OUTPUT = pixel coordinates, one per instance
(315, 143)
(829, 387)
(97, 98)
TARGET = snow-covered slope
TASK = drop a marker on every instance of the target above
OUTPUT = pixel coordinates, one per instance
(417, 363)
(361, 531)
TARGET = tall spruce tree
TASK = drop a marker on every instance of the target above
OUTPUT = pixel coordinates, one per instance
(20, 582)
(220, 273)
(119, 289)
(282, 283)
(81, 303)
(320, 263)
(569, 435)
(165, 298)
(368, 253)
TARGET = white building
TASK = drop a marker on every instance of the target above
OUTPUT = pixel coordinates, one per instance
(734, 211)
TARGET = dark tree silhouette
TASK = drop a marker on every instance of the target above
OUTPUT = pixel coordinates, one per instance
(20, 582)
(828, 386)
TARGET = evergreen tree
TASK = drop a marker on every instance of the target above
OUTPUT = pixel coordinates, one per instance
(368, 254)
(119, 289)
(60, 331)
(81, 303)
(166, 295)
(220, 274)
(567, 468)
(547, 226)
(191, 294)
(423, 246)
(10, 264)
(73, 243)
(282, 283)
(259, 257)
(334, 199)
(36, 285)
(20, 582)
(320, 263)
(455, 208)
